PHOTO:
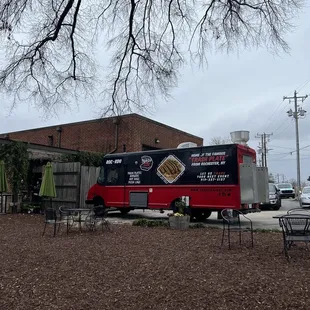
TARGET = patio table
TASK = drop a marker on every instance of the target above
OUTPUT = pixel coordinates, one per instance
(80, 211)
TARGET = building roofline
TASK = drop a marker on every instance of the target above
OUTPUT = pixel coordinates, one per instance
(103, 119)
(164, 125)
(41, 147)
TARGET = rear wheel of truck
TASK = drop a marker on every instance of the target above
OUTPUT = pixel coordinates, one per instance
(124, 211)
(98, 202)
(201, 215)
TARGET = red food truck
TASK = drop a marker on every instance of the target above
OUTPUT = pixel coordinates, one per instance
(213, 177)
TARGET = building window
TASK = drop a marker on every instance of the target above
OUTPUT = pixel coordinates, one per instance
(51, 140)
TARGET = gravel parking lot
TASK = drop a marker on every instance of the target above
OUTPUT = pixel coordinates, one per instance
(262, 220)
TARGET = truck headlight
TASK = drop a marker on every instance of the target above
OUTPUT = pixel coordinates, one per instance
(272, 196)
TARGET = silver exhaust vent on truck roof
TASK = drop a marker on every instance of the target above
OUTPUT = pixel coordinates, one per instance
(186, 145)
(240, 137)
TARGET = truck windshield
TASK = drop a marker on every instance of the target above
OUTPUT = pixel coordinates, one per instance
(100, 179)
(284, 185)
(306, 190)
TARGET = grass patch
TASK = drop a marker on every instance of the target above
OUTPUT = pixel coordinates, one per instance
(266, 230)
(161, 223)
(150, 223)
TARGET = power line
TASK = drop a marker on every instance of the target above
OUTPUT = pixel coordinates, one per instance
(283, 159)
(281, 147)
(291, 152)
(280, 103)
(301, 87)
(281, 125)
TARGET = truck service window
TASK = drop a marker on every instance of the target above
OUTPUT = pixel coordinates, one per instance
(101, 176)
(112, 175)
(247, 159)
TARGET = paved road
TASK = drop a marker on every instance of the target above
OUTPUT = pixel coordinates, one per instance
(262, 220)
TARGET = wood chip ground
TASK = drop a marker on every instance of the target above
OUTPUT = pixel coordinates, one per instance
(146, 268)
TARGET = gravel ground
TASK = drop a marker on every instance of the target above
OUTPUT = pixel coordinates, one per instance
(146, 268)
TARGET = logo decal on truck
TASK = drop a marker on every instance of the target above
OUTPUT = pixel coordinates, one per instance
(170, 169)
(146, 163)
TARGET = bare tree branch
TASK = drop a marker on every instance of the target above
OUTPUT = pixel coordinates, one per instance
(220, 140)
(50, 45)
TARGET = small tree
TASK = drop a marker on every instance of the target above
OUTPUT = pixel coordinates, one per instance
(85, 158)
(16, 158)
(293, 182)
(219, 140)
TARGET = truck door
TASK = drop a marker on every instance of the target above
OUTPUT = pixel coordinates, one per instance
(115, 189)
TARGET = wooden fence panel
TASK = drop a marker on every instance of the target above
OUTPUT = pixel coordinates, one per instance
(89, 177)
(72, 183)
(67, 181)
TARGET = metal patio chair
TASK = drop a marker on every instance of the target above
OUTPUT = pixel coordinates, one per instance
(295, 228)
(51, 218)
(232, 223)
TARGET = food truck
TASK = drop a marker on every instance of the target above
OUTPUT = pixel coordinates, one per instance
(213, 177)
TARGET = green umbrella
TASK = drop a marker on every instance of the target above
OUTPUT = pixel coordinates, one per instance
(48, 188)
(3, 182)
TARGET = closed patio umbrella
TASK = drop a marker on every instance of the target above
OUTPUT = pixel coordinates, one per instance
(48, 188)
(3, 182)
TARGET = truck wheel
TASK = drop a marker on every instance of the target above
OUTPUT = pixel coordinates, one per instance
(202, 215)
(124, 211)
(98, 202)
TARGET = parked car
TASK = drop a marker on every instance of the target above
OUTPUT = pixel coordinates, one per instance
(305, 197)
(274, 198)
(286, 190)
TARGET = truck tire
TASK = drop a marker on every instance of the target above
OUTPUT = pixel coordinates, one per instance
(201, 215)
(98, 202)
(124, 211)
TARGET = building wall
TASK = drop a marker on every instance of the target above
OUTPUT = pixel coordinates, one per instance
(99, 135)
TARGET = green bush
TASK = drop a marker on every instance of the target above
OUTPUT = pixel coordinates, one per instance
(150, 223)
(85, 158)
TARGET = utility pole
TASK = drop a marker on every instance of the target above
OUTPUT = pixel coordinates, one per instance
(278, 175)
(265, 151)
(262, 148)
(298, 112)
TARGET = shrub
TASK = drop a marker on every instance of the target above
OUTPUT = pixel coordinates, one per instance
(150, 223)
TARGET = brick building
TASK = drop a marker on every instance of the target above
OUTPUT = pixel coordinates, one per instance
(130, 132)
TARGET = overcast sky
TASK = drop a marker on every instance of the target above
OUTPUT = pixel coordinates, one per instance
(241, 92)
